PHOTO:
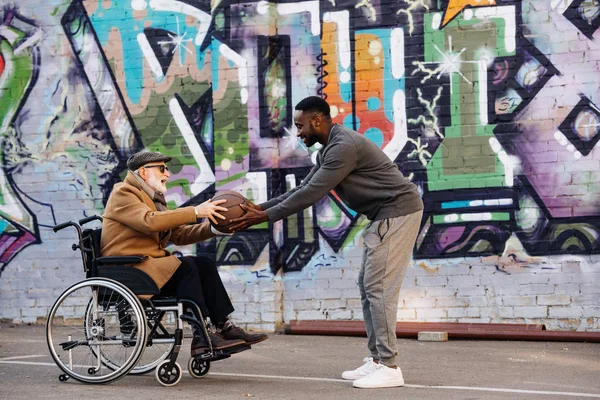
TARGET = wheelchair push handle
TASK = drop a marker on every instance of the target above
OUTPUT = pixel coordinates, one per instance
(85, 220)
(62, 226)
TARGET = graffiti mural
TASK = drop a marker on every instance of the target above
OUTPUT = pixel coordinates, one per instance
(494, 116)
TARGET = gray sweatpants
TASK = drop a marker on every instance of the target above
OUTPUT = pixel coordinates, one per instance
(388, 248)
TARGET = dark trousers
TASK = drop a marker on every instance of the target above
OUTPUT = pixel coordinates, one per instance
(197, 279)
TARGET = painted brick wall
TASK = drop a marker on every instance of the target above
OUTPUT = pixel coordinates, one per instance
(491, 109)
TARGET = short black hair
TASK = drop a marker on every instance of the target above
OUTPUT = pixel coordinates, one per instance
(314, 103)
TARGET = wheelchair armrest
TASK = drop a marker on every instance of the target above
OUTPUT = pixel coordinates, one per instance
(120, 260)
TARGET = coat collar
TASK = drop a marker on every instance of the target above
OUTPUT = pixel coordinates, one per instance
(132, 180)
(139, 184)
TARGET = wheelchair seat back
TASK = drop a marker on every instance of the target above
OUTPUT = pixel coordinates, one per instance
(117, 268)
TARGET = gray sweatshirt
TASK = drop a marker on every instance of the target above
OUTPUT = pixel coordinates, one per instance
(361, 175)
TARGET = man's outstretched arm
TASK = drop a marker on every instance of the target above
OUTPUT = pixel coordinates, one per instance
(339, 161)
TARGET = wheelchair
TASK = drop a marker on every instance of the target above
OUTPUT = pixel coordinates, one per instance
(103, 328)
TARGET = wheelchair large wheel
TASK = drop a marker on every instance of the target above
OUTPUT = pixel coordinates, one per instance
(88, 320)
(159, 348)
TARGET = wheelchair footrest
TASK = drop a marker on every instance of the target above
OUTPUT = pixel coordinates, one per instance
(222, 354)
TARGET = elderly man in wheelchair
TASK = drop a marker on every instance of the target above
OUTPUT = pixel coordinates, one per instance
(135, 284)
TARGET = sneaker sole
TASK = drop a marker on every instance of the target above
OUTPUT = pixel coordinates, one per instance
(378, 386)
(257, 341)
(353, 378)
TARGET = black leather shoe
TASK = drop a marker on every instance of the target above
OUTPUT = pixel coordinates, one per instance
(200, 346)
(237, 333)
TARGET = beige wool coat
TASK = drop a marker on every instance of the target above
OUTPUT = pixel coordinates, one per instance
(132, 226)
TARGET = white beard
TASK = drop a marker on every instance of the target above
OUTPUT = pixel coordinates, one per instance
(156, 184)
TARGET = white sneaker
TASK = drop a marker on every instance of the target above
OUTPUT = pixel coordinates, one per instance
(383, 377)
(364, 370)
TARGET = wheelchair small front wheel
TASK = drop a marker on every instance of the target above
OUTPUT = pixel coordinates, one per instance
(168, 375)
(198, 368)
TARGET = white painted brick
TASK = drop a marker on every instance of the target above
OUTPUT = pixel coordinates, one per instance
(264, 297)
(474, 320)
(455, 270)
(591, 312)
(22, 303)
(247, 317)
(428, 281)
(463, 281)
(571, 267)
(519, 301)
(413, 293)
(531, 279)
(327, 294)
(440, 292)
(342, 284)
(289, 315)
(486, 270)
(531, 312)
(307, 315)
(591, 288)
(565, 312)
(588, 277)
(471, 291)
(13, 313)
(350, 293)
(473, 312)
(419, 303)
(585, 300)
(419, 271)
(431, 314)
(328, 273)
(353, 303)
(339, 315)
(268, 317)
(268, 307)
(406, 315)
(498, 280)
(317, 284)
(298, 295)
(290, 284)
(477, 301)
(503, 290)
(457, 312)
(333, 304)
(553, 300)
(445, 302)
(36, 312)
(536, 288)
(506, 312)
(567, 288)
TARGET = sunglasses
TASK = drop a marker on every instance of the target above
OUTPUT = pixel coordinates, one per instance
(163, 168)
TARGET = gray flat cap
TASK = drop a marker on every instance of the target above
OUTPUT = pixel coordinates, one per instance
(142, 158)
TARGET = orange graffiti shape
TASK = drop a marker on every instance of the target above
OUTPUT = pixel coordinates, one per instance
(456, 6)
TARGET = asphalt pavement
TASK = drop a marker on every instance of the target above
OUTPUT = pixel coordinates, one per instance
(309, 367)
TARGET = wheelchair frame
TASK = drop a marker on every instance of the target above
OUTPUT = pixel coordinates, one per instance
(116, 323)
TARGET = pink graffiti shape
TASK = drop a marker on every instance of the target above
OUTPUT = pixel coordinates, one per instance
(1, 65)
(501, 72)
(12, 246)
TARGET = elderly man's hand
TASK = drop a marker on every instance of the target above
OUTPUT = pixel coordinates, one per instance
(253, 216)
(210, 209)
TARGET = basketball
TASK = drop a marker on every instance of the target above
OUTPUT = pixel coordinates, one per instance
(234, 199)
